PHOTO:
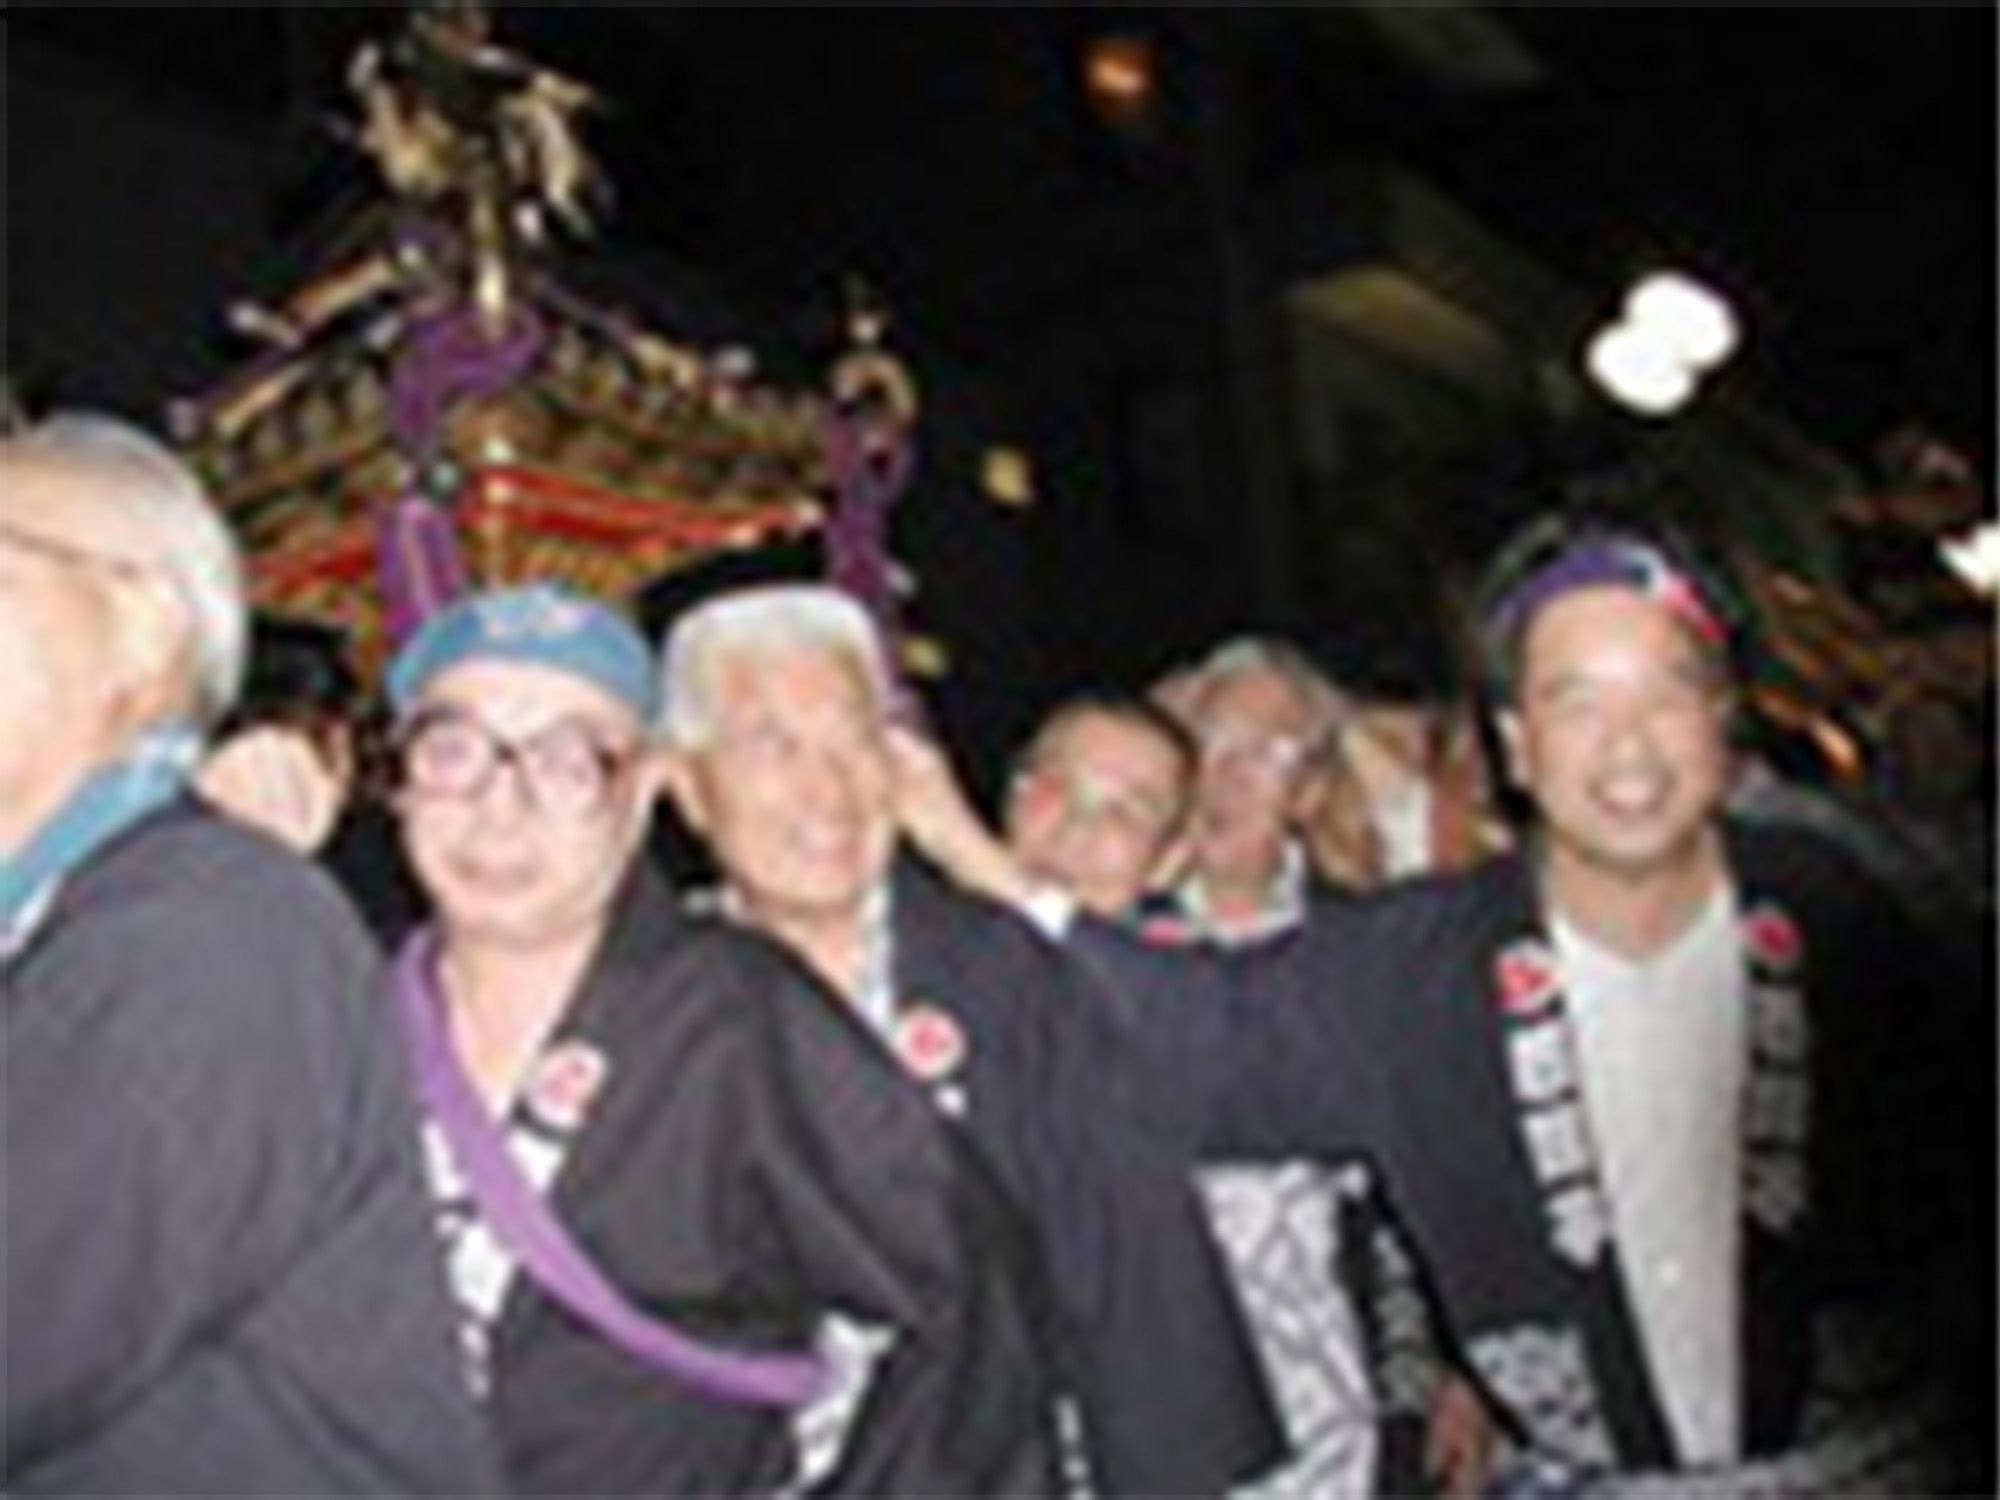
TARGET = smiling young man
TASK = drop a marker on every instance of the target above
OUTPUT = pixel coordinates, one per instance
(1679, 1113)
(1661, 1133)
(1099, 801)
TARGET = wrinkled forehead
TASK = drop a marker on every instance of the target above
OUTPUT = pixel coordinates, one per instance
(68, 501)
(794, 677)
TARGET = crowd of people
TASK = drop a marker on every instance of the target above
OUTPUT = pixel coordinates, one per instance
(1252, 1106)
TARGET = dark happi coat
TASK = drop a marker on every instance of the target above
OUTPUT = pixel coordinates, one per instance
(220, 1277)
(741, 1159)
(1428, 1028)
(1173, 1397)
(1322, 1263)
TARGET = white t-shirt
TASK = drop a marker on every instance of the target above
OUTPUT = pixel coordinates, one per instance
(1661, 1046)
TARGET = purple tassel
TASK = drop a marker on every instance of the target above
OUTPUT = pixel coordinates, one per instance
(869, 477)
(422, 568)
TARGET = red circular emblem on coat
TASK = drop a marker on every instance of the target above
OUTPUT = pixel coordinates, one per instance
(565, 1084)
(1774, 939)
(930, 1043)
(1527, 979)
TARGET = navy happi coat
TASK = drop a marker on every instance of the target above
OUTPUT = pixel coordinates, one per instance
(1427, 1027)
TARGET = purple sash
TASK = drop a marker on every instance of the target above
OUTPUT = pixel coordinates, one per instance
(529, 1229)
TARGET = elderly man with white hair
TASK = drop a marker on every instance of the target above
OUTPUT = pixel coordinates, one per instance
(219, 1274)
(778, 727)
(660, 1153)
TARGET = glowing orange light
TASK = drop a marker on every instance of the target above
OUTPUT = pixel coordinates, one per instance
(1121, 73)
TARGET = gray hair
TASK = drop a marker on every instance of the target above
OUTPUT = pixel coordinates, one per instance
(1245, 655)
(144, 483)
(757, 621)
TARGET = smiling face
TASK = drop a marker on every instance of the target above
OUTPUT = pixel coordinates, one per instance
(518, 857)
(1619, 732)
(791, 785)
(1258, 734)
(1097, 809)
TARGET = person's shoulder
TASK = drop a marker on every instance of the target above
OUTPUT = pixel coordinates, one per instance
(1857, 918)
(715, 946)
(1406, 945)
(197, 873)
(1802, 863)
(192, 939)
(987, 935)
(1418, 909)
(745, 978)
(190, 847)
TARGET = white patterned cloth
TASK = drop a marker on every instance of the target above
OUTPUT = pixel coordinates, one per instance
(850, 1350)
(1542, 1375)
(479, 1268)
(1279, 1227)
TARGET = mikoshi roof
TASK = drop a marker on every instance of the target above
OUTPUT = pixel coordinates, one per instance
(437, 385)
(612, 457)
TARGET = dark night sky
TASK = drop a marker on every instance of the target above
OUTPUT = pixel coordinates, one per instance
(1831, 169)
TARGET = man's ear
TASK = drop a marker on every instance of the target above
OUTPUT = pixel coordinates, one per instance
(649, 773)
(678, 775)
(153, 646)
(1513, 746)
(1171, 863)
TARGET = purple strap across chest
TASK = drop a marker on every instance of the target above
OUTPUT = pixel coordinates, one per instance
(530, 1230)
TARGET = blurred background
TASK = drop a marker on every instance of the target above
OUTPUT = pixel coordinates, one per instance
(1222, 318)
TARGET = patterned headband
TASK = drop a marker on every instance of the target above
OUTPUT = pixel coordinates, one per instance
(1616, 562)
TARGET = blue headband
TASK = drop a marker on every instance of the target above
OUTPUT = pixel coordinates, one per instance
(542, 624)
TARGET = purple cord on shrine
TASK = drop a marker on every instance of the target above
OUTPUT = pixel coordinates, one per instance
(867, 485)
(451, 356)
(418, 563)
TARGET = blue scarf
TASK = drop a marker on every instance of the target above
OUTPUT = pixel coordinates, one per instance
(108, 803)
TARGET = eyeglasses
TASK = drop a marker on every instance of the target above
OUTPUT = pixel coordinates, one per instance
(566, 769)
(1079, 796)
(70, 556)
(1255, 752)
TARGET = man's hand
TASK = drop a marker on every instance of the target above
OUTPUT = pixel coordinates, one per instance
(940, 820)
(275, 780)
(1458, 1445)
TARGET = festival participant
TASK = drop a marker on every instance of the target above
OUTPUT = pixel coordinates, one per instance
(1330, 1284)
(1099, 799)
(1667, 1103)
(220, 1276)
(1406, 789)
(683, 1107)
(1108, 796)
(779, 708)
